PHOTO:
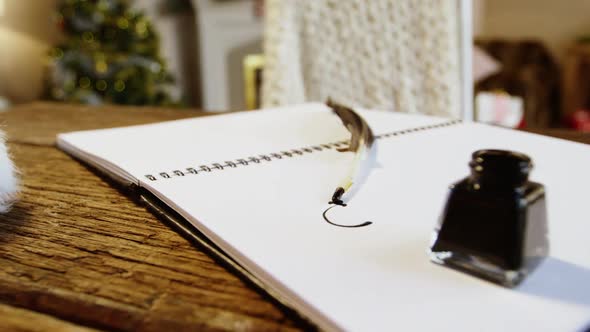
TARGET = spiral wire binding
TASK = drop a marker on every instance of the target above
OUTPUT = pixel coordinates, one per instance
(242, 162)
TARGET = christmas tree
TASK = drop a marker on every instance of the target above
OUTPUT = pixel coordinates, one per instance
(110, 55)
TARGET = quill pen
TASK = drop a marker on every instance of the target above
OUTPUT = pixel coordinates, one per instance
(362, 145)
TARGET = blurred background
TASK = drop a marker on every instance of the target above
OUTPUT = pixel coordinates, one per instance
(200, 40)
(531, 63)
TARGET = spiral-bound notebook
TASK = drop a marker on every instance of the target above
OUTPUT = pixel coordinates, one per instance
(254, 188)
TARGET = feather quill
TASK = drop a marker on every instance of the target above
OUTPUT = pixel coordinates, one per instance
(362, 144)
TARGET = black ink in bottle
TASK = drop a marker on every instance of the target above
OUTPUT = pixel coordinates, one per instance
(494, 223)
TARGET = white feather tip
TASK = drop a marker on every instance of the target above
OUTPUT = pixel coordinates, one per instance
(8, 177)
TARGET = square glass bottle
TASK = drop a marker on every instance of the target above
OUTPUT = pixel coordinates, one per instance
(494, 223)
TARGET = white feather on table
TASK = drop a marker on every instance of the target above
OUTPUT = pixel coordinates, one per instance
(8, 179)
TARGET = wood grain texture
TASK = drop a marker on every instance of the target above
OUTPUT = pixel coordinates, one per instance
(74, 251)
(76, 248)
(22, 320)
(38, 123)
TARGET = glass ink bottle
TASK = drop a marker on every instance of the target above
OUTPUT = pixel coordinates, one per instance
(494, 223)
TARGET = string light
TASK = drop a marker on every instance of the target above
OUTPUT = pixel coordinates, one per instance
(101, 85)
(84, 82)
(57, 53)
(141, 28)
(123, 23)
(88, 37)
(101, 66)
(119, 86)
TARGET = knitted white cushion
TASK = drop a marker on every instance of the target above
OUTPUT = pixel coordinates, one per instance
(398, 55)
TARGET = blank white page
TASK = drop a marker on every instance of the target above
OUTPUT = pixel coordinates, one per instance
(268, 215)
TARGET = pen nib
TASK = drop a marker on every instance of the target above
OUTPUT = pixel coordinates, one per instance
(337, 197)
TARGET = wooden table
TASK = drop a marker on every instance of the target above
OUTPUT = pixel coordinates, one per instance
(77, 254)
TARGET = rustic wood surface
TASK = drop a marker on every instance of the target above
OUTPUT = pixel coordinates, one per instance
(77, 249)
(77, 254)
(17, 319)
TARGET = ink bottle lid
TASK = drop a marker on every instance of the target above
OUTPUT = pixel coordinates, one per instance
(499, 170)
